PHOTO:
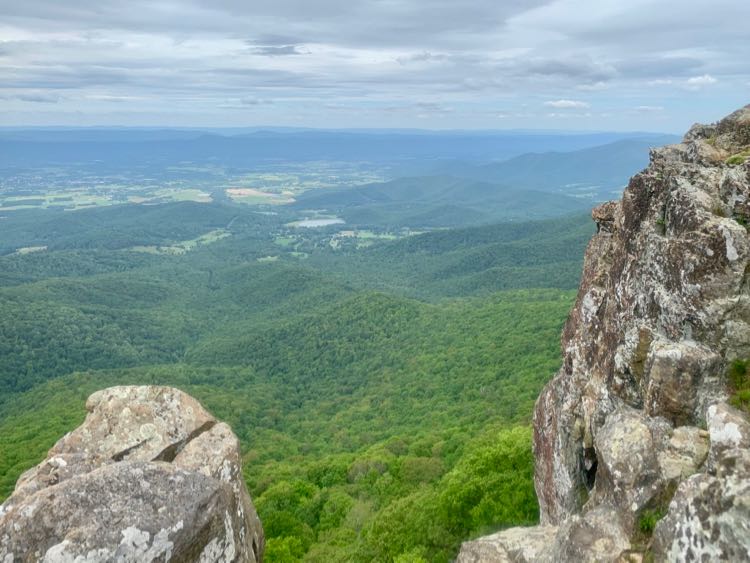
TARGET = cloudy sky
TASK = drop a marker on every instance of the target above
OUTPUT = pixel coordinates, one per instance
(655, 65)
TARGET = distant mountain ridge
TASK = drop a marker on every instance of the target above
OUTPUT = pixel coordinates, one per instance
(601, 169)
(33, 147)
(437, 201)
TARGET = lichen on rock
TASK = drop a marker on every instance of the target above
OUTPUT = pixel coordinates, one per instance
(149, 476)
(637, 409)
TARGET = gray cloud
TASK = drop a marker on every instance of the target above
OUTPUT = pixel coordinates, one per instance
(578, 68)
(458, 64)
(278, 51)
(651, 67)
(273, 39)
(33, 98)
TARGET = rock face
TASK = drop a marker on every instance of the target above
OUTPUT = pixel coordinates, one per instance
(709, 518)
(662, 309)
(149, 476)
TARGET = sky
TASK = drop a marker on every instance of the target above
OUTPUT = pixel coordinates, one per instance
(648, 65)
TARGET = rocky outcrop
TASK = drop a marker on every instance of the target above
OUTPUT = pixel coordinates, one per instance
(149, 476)
(515, 544)
(636, 411)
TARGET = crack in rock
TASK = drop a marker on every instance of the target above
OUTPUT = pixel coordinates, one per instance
(169, 453)
(119, 456)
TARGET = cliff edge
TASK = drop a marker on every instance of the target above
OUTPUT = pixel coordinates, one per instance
(638, 454)
(149, 476)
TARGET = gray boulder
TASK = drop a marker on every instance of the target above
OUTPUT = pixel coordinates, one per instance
(598, 536)
(149, 476)
(515, 545)
(709, 517)
(728, 429)
(628, 473)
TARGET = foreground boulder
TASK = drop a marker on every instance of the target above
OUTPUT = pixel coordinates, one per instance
(634, 429)
(149, 476)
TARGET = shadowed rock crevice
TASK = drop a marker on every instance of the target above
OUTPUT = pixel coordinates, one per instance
(119, 456)
(169, 453)
(589, 464)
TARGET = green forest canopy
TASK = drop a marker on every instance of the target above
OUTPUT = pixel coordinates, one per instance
(382, 395)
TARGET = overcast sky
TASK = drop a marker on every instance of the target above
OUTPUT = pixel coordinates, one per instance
(656, 65)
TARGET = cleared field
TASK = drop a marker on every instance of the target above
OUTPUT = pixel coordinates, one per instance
(252, 196)
(82, 198)
(29, 250)
(184, 246)
(73, 199)
(178, 194)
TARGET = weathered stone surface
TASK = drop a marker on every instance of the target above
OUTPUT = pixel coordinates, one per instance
(728, 429)
(515, 545)
(686, 453)
(662, 309)
(672, 378)
(599, 535)
(149, 476)
(628, 473)
(709, 517)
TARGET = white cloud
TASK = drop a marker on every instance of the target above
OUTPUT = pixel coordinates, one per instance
(566, 104)
(649, 109)
(696, 82)
(595, 87)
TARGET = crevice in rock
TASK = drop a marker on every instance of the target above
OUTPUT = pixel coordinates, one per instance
(119, 456)
(661, 222)
(170, 452)
(640, 354)
(589, 466)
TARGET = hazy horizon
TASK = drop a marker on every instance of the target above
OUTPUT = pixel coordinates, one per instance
(246, 129)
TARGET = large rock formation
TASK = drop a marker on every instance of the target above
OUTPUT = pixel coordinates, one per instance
(149, 476)
(636, 412)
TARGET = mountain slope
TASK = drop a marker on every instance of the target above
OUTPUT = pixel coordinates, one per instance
(436, 201)
(598, 171)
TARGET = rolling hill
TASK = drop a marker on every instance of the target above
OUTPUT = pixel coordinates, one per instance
(436, 201)
(598, 172)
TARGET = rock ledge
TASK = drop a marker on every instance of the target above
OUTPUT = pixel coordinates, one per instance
(637, 454)
(149, 476)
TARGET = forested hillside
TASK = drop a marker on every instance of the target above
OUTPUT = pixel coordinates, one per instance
(381, 386)
(438, 201)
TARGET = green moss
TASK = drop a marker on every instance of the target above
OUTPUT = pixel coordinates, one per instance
(583, 495)
(649, 518)
(661, 224)
(739, 384)
(739, 158)
(737, 373)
